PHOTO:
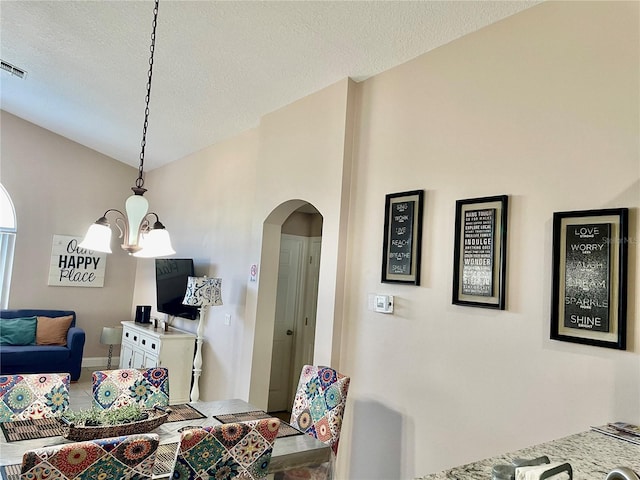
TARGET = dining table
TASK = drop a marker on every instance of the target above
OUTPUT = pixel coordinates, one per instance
(295, 450)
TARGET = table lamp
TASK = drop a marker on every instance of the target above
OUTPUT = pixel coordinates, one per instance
(111, 336)
(201, 292)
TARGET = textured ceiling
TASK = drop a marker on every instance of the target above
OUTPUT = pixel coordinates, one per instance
(219, 65)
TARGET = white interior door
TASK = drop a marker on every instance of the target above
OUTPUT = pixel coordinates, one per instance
(305, 332)
(287, 305)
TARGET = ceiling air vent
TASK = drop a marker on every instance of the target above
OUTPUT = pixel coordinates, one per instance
(13, 70)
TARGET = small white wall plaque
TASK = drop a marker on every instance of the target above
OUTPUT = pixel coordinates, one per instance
(383, 304)
(72, 266)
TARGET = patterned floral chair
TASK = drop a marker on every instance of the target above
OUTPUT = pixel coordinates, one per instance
(117, 388)
(317, 410)
(231, 450)
(128, 457)
(33, 396)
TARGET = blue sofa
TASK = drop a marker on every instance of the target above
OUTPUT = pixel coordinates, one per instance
(43, 358)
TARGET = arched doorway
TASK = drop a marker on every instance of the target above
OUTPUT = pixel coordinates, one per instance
(296, 304)
(261, 301)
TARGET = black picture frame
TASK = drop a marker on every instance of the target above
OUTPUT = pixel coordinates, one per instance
(480, 252)
(402, 245)
(589, 297)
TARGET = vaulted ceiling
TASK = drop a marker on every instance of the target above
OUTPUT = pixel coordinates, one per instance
(219, 65)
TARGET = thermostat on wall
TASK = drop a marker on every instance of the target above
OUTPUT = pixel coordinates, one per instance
(383, 303)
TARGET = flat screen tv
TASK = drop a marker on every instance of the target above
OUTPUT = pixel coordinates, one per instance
(171, 285)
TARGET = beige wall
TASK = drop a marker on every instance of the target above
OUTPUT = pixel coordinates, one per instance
(205, 201)
(542, 106)
(304, 154)
(60, 187)
(303, 224)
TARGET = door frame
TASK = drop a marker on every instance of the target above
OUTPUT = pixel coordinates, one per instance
(261, 298)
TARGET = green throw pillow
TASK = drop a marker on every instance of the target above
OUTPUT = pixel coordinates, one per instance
(18, 331)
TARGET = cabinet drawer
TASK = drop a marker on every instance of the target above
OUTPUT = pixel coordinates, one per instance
(132, 336)
(149, 344)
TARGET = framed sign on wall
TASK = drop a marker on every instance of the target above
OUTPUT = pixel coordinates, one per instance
(479, 258)
(72, 266)
(589, 298)
(402, 243)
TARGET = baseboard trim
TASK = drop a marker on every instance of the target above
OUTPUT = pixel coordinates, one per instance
(100, 362)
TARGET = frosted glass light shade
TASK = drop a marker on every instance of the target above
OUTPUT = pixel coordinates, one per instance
(203, 292)
(156, 243)
(98, 238)
(111, 335)
(136, 207)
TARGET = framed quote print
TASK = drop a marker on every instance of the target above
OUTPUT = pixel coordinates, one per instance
(589, 298)
(402, 237)
(479, 259)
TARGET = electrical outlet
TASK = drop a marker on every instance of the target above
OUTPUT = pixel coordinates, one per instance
(227, 319)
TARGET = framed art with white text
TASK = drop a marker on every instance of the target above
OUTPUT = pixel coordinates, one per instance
(402, 237)
(480, 261)
(589, 298)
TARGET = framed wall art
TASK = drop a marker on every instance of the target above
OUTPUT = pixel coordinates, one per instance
(479, 259)
(589, 298)
(402, 237)
(72, 266)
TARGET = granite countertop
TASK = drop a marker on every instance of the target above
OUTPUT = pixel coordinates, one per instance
(592, 455)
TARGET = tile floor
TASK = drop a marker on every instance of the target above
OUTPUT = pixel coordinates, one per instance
(80, 397)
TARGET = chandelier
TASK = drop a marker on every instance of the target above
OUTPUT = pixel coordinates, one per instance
(142, 236)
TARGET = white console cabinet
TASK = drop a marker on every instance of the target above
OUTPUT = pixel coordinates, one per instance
(144, 347)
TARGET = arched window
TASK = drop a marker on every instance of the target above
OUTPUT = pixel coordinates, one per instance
(7, 242)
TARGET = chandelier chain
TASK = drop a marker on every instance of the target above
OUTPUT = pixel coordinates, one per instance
(143, 144)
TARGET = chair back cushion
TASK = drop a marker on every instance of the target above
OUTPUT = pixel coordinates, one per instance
(225, 451)
(319, 404)
(117, 388)
(33, 396)
(129, 457)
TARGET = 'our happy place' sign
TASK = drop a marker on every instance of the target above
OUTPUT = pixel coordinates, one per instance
(72, 266)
